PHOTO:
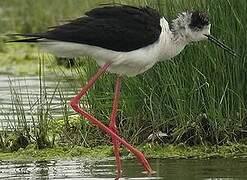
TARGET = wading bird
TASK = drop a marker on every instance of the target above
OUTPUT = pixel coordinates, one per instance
(124, 40)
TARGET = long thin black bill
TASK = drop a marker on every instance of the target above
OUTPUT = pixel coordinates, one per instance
(221, 45)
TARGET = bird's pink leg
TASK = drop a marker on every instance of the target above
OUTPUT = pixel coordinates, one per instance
(75, 105)
(113, 126)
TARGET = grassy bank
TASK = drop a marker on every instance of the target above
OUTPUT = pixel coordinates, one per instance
(199, 98)
(150, 150)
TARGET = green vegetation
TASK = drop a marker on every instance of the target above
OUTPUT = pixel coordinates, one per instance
(152, 151)
(197, 152)
(31, 153)
(16, 59)
(199, 98)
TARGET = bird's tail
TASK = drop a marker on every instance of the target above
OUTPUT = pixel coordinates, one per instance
(28, 38)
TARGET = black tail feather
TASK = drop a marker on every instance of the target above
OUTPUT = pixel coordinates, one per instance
(30, 38)
(23, 35)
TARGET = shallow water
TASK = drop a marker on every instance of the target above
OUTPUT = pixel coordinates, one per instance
(169, 169)
(22, 94)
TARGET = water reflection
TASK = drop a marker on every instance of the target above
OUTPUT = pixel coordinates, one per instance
(168, 169)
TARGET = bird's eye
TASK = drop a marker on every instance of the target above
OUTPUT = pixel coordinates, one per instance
(199, 26)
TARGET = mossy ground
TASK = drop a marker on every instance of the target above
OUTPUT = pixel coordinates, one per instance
(175, 95)
(32, 153)
(198, 152)
(150, 150)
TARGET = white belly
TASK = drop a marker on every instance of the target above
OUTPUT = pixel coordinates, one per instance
(124, 63)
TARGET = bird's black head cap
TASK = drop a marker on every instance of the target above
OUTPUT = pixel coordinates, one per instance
(198, 20)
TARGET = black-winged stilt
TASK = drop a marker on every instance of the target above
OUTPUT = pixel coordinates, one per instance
(125, 40)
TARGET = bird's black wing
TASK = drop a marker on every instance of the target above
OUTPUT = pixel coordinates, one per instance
(119, 28)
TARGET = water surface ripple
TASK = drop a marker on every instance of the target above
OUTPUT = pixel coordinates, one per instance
(168, 169)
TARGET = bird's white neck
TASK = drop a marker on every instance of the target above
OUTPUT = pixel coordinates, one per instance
(171, 42)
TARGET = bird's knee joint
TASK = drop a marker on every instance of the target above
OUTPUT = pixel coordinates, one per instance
(73, 104)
